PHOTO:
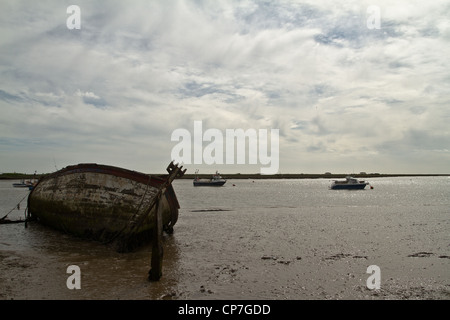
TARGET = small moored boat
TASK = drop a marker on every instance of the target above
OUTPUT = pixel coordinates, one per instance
(23, 184)
(349, 183)
(215, 181)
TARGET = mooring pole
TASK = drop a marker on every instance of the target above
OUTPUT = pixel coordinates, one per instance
(155, 272)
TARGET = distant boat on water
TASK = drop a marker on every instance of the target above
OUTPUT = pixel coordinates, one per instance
(215, 181)
(349, 183)
(22, 184)
(25, 184)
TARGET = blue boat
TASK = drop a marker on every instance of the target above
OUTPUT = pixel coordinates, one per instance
(25, 184)
(350, 183)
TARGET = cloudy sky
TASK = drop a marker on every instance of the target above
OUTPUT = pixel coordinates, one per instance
(345, 97)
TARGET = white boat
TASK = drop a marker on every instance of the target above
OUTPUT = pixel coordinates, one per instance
(349, 183)
(215, 181)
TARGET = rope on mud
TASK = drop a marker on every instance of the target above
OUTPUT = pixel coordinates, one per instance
(17, 206)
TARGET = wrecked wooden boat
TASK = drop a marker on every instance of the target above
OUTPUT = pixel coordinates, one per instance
(106, 203)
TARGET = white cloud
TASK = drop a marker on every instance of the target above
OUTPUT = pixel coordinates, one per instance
(138, 70)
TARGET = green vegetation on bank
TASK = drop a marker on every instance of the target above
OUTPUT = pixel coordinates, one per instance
(19, 176)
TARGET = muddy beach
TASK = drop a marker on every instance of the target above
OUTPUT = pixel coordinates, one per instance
(277, 239)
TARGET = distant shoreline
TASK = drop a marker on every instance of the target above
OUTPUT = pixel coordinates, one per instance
(20, 176)
(313, 175)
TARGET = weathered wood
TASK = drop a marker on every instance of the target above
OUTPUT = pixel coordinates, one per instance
(139, 217)
(103, 203)
(109, 204)
(155, 272)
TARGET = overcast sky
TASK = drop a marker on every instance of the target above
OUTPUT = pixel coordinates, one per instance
(345, 97)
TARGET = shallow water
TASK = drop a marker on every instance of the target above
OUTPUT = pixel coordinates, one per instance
(253, 239)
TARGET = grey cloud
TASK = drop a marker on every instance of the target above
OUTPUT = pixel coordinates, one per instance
(318, 147)
(415, 140)
(9, 97)
(353, 32)
(270, 14)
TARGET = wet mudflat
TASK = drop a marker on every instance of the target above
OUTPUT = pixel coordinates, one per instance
(262, 239)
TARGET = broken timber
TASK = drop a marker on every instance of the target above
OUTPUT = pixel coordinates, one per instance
(157, 249)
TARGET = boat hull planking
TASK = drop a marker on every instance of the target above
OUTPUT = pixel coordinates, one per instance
(98, 202)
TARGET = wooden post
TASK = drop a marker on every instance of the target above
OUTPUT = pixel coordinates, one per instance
(155, 272)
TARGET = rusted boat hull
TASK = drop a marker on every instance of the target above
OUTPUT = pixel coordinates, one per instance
(99, 202)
